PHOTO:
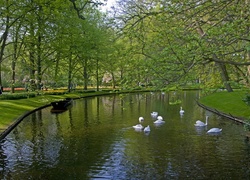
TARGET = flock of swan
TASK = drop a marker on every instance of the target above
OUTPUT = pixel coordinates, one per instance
(159, 120)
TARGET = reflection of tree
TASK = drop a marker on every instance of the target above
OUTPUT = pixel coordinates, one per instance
(32, 143)
(71, 120)
(113, 106)
(109, 103)
(98, 110)
(38, 135)
(58, 125)
(34, 127)
(122, 106)
(174, 98)
(86, 120)
(35, 134)
(130, 100)
(138, 97)
(75, 150)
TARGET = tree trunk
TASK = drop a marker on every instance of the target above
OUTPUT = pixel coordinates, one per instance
(113, 80)
(70, 73)
(223, 70)
(56, 69)
(0, 75)
(39, 50)
(13, 67)
(39, 66)
(3, 43)
(32, 52)
(97, 75)
(4, 37)
(85, 74)
(225, 77)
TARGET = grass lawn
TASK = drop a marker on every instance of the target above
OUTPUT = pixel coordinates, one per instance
(228, 103)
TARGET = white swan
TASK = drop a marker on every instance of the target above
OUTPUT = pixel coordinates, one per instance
(200, 123)
(147, 129)
(160, 117)
(141, 119)
(138, 127)
(159, 120)
(182, 111)
(214, 130)
(154, 114)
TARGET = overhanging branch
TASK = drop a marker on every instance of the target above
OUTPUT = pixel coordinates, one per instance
(227, 62)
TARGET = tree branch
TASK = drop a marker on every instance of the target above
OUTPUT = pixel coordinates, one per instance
(226, 62)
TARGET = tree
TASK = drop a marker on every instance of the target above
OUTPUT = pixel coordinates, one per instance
(47, 35)
(178, 36)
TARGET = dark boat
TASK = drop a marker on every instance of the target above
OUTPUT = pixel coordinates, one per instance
(60, 106)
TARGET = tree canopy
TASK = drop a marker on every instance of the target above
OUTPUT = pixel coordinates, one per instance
(138, 42)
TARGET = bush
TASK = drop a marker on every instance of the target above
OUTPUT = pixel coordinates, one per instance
(247, 125)
(15, 96)
(54, 93)
(25, 95)
(247, 99)
(86, 91)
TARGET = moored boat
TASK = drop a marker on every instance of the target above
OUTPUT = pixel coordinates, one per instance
(60, 106)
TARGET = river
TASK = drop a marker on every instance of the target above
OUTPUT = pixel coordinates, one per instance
(95, 139)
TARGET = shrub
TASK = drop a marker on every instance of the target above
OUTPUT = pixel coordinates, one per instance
(247, 99)
(54, 92)
(18, 95)
(247, 124)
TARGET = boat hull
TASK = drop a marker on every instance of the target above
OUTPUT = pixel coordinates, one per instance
(61, 106)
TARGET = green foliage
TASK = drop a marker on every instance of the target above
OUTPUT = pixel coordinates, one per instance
(178, 101)
(25, 95)
(16, 96)
(59, 42)
(88, 91)
(179, 43)
(247, 125)
(54, 93)
(246, 99)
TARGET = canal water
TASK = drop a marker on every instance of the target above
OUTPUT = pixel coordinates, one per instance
(95, 139)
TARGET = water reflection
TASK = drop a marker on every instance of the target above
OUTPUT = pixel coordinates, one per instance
(95, 139)
(201, 130)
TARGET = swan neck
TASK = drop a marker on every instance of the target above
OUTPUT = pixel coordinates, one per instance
(206, 120)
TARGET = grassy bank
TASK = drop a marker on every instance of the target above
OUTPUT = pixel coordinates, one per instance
(228, 103)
